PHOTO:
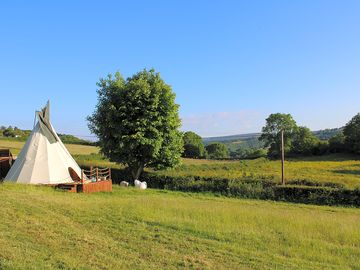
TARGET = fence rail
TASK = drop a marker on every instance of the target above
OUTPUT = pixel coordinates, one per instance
(96, 174)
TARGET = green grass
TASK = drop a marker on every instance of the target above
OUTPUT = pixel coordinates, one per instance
(342, 169)
(131, 229)
(336, 168)
(74, 149)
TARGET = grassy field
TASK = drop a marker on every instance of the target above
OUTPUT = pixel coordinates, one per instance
(131, 229)
(336, 168)
(74, 149)
(343, 169)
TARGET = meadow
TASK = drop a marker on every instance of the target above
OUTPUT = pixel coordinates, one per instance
(42, 228)
(343, 169)
(75, 149)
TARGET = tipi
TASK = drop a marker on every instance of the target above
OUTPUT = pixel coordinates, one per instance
(44, 158)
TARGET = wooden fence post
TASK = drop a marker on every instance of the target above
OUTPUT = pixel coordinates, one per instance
(282, 159)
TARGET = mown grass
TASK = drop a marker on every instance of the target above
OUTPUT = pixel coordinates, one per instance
(41, 228)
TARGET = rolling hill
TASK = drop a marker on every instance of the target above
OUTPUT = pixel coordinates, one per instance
(251, 140)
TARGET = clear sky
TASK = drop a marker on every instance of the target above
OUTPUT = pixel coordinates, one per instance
(230, 63)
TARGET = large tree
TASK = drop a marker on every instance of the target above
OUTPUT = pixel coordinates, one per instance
(337, 143)
(271, 132)
(304, 141)
(193, 146)
(352, 134)
(137, 121)
(217, 150)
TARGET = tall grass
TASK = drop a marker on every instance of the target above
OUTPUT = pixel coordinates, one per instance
(131, 229)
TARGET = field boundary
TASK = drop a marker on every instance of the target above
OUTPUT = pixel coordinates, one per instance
(263, 188)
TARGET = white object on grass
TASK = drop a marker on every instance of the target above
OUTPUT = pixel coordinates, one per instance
(140, 185)
(143, 185)
(124, 184)
(137, 183)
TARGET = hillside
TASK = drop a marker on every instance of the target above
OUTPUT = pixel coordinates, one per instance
(235, 142)
(152, 229)
(16, 134)
(250, 140)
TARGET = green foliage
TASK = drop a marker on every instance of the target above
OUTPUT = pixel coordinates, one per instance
(217, 151)
(235, 142)
(249, 153)
(193, 146)
(70, 139)
(260, 188)
(337, 143)
(137, 121)
(328, 133)
(304, 141)
(17, 134)
(271, 132)
(352, 134)
(10, 132)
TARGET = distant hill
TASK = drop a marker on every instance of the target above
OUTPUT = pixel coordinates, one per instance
(14, 133)
(326, 134)
(251, 140)
(234, 142)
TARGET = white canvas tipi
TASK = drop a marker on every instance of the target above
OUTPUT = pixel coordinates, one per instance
(44, 158)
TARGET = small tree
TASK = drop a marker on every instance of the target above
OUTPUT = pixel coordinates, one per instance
(217, 151)
(137, 122)
(271, 132)
(193, 146)
(352, 134)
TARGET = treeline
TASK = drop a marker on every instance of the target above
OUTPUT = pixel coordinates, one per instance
(21, 135)
(195, 148)
(298, 141)
(13, 132)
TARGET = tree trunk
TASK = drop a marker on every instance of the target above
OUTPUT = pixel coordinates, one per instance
(136, 171)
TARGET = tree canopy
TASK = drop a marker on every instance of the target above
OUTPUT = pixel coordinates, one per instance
(137, 121)
(271, 132)
(303, 141)
(352, 134)
(193, 146)
(217, 151)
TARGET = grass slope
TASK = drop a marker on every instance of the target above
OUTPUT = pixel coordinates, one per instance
(131, 229)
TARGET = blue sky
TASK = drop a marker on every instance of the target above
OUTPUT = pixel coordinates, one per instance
(230, 63)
